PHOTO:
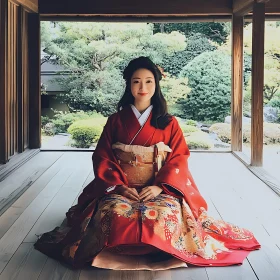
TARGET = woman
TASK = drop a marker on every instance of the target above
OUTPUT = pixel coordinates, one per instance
(143, 206)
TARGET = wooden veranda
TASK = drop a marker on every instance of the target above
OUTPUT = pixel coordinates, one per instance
(233, 194)
(32, 182)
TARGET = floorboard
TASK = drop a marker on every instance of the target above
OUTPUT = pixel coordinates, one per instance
(18, 231)
(12, 187)
(56, 271)
(63, 200)
(232, 191)
(227, 194)
(26, 263)
(18, 207)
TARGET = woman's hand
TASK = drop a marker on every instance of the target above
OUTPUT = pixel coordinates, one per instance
(150, 192)
(130, 193)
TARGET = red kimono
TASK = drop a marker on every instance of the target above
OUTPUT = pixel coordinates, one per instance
(175, 223)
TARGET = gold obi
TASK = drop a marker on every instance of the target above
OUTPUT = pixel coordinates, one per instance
(140, 164)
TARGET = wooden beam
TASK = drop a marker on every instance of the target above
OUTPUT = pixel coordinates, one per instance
(34, 81)
(272, 7)
(133, 7)
(29, 5)
(237, 83)
(257, 84)
(25, 80)
(3, 81)
(243, 7)
(138, 18)
(20, 39)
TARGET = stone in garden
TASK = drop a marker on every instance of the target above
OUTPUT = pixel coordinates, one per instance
(270, 114)
(244, 119)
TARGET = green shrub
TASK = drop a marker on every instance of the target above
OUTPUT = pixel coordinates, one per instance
(271, 132)
(49, 129)
(188, 128)
(63, 120)
(197, 44)
(209, 78)
(191, 122)
(99, 121)
(247, 133)
(44, 120)
(223, 130)
(199, 140)
(85, 132)
(275, 102)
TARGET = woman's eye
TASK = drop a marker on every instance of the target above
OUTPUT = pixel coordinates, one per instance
(149, 81)
(135, 82)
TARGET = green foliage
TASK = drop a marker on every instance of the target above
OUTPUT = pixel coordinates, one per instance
(223, 130)
(62, 120)
(85, 132)
(272, 58)
(215, 31)
(247, 69)
(187, 129)
(199, 141)
(99, 91)
(49, 129)
(209, 77)
(191, 122)
(271, 132)
(247, 102)
(174, 89)
(44, 120)
(196, 45)
(176, 109)
(274, 103)
(95, 54)
(271, 81)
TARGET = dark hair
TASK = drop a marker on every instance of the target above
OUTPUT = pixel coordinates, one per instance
(160, 118)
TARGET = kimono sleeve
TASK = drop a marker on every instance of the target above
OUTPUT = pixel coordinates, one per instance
(175, 177)
(107, 171)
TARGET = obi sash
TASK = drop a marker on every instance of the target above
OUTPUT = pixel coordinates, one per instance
(140, 164)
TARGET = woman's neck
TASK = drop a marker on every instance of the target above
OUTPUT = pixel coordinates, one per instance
(141, 107)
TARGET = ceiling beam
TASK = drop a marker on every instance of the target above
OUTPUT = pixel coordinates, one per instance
(272, 7)
(134, 7)
(29, 5)
(243, 7)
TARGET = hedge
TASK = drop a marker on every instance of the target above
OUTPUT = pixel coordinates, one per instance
(86, 132)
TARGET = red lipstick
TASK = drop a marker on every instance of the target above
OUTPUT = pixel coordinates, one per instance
(143, 93)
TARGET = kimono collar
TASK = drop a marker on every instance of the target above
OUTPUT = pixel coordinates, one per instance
(142, 118)
(136, 134)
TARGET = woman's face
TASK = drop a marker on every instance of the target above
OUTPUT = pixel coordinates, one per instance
(143, 86)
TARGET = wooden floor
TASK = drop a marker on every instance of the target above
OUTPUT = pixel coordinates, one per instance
(55, 179)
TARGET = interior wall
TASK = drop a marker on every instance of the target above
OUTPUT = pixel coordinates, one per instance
(14, 89)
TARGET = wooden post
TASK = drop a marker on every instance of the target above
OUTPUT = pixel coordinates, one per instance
(257, 84)
(25, 80)
(34, 81)
(20, 81)
(3, 81)
(237, 83)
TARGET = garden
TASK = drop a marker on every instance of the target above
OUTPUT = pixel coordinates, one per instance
(195, 58)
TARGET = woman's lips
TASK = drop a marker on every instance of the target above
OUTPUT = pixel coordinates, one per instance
(143, 93)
